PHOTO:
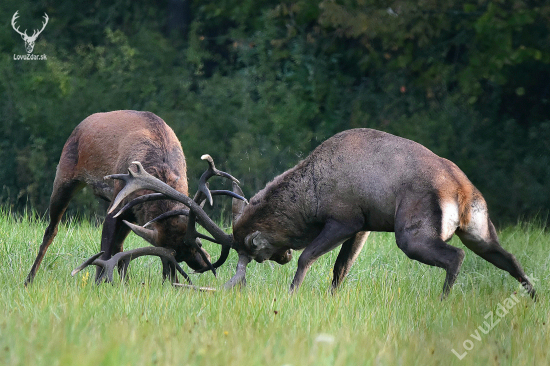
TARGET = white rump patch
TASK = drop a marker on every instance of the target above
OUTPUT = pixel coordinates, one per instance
(478, 227)
(449, 219)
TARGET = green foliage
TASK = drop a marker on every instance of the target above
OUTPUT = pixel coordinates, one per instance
(259, 84)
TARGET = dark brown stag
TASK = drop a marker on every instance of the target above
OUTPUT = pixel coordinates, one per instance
(107, 143)
(365, 180)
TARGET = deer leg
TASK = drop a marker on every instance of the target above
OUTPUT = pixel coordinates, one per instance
(61, 195)
(348, 254)
(168, 271)
(434, 252)
(112, 237)
(332, 235)
(239, 278)
(417, 233)
(488, 247)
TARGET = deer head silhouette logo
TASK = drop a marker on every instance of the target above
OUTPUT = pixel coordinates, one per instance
(29, 40)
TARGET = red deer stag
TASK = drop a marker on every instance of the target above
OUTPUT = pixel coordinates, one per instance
(107, 143)
(364, 180)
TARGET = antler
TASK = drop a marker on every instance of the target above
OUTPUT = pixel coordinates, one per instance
(15, 16)
(204, 193)
(169, 263)
(143, 180)
(37, 32)
(140, 179)
(191, 223)
(24, 34)
(209, 173)
(139, 200)
(160, 196)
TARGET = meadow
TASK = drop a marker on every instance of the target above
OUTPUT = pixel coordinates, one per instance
(387, 312)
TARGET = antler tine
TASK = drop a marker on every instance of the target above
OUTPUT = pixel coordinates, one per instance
(36, 31)
(215, 171)
(139, 200)
(131, 184)
(87, 262)
(167, 256)
(220, 192)
(198, 245)
(210, 172)
(182, 212)
(13, 19)
(223, 257)
(221, 260)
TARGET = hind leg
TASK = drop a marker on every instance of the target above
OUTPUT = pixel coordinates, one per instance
(481, 238)
(434, 252)
(61, 195)
(348, 254)
(418, 235)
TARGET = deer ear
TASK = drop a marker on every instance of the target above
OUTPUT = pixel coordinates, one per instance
(238, 205)
(250, 240)
(259, 241)
(256, 241)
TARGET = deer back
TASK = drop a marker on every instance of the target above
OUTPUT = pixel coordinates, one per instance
(359, 174)
(107, 143)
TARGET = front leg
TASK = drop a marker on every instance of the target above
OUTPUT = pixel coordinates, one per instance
(332, 235)
(112, 236)
(240, 276)
(348, 254)
(168, 271)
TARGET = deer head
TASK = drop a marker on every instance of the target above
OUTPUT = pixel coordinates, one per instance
(29, 40)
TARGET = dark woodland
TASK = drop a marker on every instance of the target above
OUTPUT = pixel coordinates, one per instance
(258, 84)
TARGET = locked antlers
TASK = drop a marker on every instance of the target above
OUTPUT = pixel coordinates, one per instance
(139, 180)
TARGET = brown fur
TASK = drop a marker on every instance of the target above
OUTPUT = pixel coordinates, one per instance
(107, 143)
(366, 180)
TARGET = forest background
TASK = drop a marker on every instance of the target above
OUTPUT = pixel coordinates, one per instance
(258, 84)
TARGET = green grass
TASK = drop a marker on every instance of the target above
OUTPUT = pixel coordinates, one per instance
(387, 312)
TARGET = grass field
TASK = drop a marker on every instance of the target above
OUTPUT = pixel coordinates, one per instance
(387, 312)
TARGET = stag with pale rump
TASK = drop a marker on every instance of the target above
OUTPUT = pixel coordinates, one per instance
(364, 180)
(105, 144)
